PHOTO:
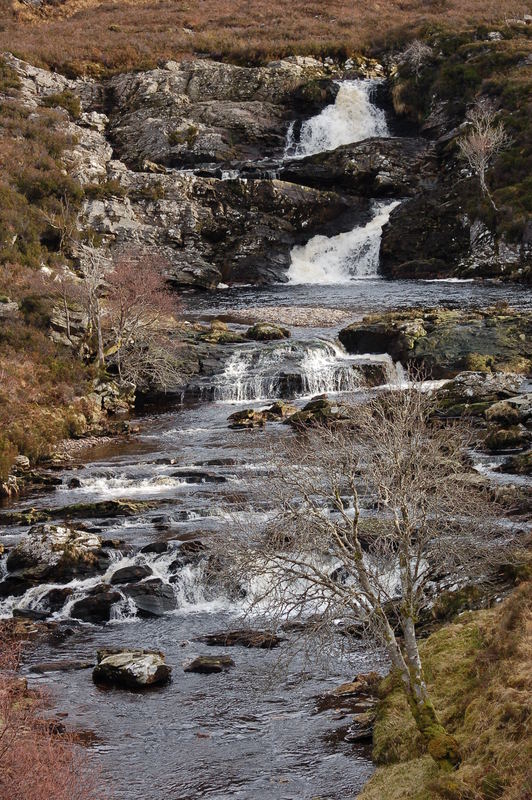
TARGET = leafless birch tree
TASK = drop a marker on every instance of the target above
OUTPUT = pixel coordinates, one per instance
(365, 519)
(416, 56)
(483, 142)
(94, 267)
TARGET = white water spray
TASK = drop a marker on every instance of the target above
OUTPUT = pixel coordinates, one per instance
(351, 118)
(342, 258)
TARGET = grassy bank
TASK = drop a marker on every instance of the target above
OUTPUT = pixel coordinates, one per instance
(89, 36)
(478, 673)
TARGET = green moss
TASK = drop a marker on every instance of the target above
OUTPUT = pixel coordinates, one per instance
(67, 100)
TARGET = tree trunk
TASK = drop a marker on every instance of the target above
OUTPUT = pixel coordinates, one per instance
(443, 747)
(101, 355)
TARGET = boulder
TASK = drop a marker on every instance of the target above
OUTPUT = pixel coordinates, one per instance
(131, 574)
(153, 597)
(132, 669)
(97, 604)
(319, 411)
(263, 640)
(475, 393)
(55, 552)
(55, 599)
(512, 411)
(279, 410)
(267, 331)
(206, 665)
(445, 342)
(502, 439)
(519, 464)
(155, 547)
(247, 419)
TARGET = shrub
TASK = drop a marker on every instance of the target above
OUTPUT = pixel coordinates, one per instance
(67, 100)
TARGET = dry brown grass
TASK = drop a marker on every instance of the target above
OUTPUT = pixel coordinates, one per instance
(91, 36)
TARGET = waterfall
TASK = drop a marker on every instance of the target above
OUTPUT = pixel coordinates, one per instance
(283, 370)
(351, 118)
(342, 258)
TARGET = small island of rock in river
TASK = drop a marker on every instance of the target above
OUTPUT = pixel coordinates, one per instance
(265, 400)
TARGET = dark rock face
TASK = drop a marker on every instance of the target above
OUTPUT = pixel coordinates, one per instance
(426, 237)
(131, 669)
(206, 665)
(153, 598)
(96, 606)
(446, 342)
(372, 168)
(131, 574)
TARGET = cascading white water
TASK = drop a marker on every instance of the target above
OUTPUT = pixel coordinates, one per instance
(297, 369)
(351, 118)
(342, 258)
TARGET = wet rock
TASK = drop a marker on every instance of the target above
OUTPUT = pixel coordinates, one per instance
(207, 665)
(219, 333)
(446, 341)
(61, 666)
(155, 547)
(247, 419)
(132, 669)
(15, 585)
(195, 476)
(131, 574)
(512, 411)
(267, 331)
(153, 597)
(55, 552)
(263, 640)
(55, 599)
(96, 606)
(103, 509)
(74, 483)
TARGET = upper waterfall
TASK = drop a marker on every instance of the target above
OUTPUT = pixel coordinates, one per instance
(351, 118)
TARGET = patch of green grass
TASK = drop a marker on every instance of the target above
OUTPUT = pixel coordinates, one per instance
(67, 100)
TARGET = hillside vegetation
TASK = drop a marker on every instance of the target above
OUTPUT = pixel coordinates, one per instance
(92, 37)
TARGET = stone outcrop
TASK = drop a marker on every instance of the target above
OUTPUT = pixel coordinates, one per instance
(445, 342)
(373, 168)
(205, 111)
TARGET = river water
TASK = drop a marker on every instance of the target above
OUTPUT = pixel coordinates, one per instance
(253, 732)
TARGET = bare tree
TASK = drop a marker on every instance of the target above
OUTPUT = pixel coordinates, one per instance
(484, 140)
(94, 267)
(323, 554)
(416, 56)
(140, 307)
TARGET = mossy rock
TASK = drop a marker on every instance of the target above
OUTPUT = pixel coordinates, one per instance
(247, 419)
(266, 332)
(520, 464)
(501, 439)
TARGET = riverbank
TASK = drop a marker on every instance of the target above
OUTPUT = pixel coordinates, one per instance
(478, 673)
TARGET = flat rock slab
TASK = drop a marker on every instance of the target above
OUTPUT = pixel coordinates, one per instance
(207, 665)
